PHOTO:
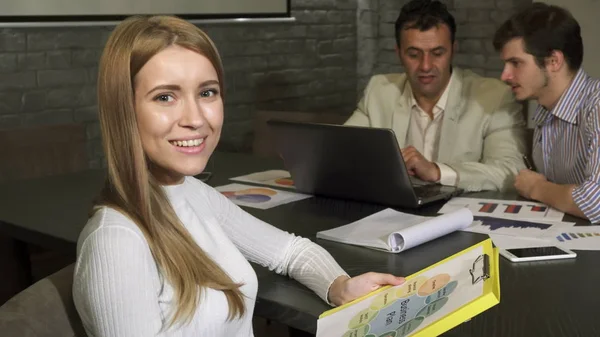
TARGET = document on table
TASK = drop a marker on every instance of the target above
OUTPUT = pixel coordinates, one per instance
(579, 238)
(506, 209)
(259, 197)
(510, 242)
(518, 228)
(394, 232)
(276, 178)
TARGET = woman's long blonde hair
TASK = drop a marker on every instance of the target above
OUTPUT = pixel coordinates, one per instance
(130, 186)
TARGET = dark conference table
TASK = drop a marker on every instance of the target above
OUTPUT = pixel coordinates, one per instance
(551, 298)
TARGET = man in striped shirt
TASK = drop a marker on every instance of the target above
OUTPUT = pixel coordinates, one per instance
(543, 50)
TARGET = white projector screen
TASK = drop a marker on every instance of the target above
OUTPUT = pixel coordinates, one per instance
(109, 10)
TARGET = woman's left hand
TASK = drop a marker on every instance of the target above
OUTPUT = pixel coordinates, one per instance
(344, 289)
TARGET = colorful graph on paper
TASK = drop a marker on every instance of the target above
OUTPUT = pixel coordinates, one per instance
(258, 197)
(518, 228)
(579, 238)
(576, 236)
(521, 210)
(251, 195)
(535, 208)
(496, 223)
(404, 310)
(512, 209)
(488, 207)
(276, 178)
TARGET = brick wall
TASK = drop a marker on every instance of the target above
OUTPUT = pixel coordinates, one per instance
(321, 62)
(476, 22)
(47, 75)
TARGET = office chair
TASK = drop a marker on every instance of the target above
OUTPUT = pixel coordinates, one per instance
(45, 309)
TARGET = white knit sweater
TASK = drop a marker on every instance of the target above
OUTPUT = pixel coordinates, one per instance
(118, 290)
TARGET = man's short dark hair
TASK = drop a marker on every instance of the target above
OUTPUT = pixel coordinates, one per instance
(424, 15)
(544, 29)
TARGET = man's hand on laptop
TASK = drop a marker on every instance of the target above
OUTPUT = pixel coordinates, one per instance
(420, 167)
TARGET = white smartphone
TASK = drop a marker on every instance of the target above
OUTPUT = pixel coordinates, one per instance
(537, 254)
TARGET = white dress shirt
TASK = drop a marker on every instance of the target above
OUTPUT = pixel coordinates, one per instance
(424, 133)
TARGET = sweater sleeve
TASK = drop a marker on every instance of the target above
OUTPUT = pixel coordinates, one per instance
(279, 251)
(115, 284)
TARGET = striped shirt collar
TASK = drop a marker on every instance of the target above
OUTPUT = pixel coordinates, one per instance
(567, 107)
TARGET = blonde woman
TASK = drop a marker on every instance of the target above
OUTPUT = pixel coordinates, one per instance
(163, 253)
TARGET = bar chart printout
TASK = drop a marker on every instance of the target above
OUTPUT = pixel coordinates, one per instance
(579, 238)
(521, 210)
(518, 228)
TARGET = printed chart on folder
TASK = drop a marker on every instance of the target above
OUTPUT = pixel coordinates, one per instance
(403, 310)
(399, 312)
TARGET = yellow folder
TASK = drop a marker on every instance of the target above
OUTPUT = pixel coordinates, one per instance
(430, 302)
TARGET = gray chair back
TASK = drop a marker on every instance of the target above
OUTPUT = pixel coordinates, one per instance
(45, 309)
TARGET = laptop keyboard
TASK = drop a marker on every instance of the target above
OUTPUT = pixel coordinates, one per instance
(418, 182)
(426, 191)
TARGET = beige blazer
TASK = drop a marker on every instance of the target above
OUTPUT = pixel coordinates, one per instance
(482, 134)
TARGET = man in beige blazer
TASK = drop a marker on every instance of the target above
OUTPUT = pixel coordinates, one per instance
(454, 127)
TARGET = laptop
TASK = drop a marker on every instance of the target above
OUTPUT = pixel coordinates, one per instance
(349, 162)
